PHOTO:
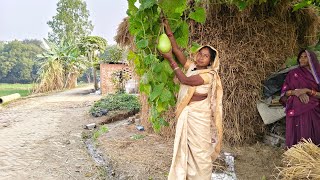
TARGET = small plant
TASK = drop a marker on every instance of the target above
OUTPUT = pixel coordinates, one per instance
(115, 102)
(103, 129)
(119, 79)
(137, 136)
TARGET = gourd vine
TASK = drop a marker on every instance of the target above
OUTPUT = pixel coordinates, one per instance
(156, 74)
(145, 26)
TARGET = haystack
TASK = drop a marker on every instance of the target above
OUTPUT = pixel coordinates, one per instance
(252, 44)
(123, 37)
(302, 161)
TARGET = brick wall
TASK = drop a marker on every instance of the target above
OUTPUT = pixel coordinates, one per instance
(106, 71)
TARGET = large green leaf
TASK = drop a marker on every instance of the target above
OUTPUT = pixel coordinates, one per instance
(160, 107)
(194, 47)
(199, 15)
(182, 35)
(166, 95)
(146, 88)
(302, 4)
(146, 4)
(132, 9)
(158, 67)
(156, 91)
(134, 25)
(173, 9)
(167, 68)
(143, 43)
(149, 59)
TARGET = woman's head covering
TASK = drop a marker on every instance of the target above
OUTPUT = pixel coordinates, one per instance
(216, 63)
(314, 64)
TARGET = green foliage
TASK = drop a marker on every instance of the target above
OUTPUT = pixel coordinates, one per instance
(292, 61)
(102, 130)
(92, 43)
(114, 102)
(145, 25)
(89, 45)
(306, 3)
(198, 15)
(155, 72)
(112, 54)
(60, 64)
(119, 79)
(71, 21)
(18, 63)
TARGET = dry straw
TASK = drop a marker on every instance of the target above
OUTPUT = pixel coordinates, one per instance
(252, 44)
(302, 161)
(51, 77)
(123, 37)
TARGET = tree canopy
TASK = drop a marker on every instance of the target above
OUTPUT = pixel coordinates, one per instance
(18, 62)
(113, 54)
(71, 21)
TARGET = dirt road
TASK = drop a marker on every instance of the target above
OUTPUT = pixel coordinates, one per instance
(40, 137)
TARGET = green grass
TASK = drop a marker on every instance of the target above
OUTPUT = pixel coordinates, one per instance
(22, 89)
(103, 129)
(137, 136)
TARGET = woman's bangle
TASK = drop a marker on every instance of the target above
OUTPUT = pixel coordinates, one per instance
(169, 34)
(175, 68)
(174, 64)
(313, 92)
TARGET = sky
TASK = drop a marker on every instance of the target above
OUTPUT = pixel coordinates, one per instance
(27, 19)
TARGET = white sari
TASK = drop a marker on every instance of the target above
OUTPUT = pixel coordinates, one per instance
(199, 126)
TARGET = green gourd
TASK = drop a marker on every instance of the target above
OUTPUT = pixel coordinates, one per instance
(164, 44)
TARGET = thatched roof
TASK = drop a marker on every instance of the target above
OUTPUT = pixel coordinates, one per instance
(123, 37)
(252, 44)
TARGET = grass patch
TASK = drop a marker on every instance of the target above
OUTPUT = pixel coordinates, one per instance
(115, 102)
(22, 89)
(103, 129)
(137, 136)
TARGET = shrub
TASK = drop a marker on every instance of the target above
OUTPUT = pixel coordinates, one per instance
(114, 102)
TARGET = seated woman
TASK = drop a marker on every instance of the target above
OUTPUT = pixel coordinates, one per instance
(300, 94)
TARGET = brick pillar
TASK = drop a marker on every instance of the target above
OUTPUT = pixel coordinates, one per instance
(106, 71)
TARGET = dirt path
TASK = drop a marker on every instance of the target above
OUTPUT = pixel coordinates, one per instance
(40, 137)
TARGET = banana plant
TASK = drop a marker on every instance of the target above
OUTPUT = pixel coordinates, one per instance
(60, 62)
(91, 46)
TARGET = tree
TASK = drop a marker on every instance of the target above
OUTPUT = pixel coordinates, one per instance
(90, 46)
(113, 54)
(18, 62)
(61, 65)
(71, 21)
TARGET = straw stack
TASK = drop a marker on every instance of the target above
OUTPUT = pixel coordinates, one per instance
(302, 161)
(252, 44)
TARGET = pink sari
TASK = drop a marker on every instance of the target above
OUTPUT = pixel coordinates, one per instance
(303, 120)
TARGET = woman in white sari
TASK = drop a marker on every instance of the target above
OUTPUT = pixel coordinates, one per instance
(199, 112)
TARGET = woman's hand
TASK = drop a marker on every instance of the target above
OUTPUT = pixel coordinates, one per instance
(304, 98)
(299, 92)
(168, 56)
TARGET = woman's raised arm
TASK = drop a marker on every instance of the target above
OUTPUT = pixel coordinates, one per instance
(175, 48)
